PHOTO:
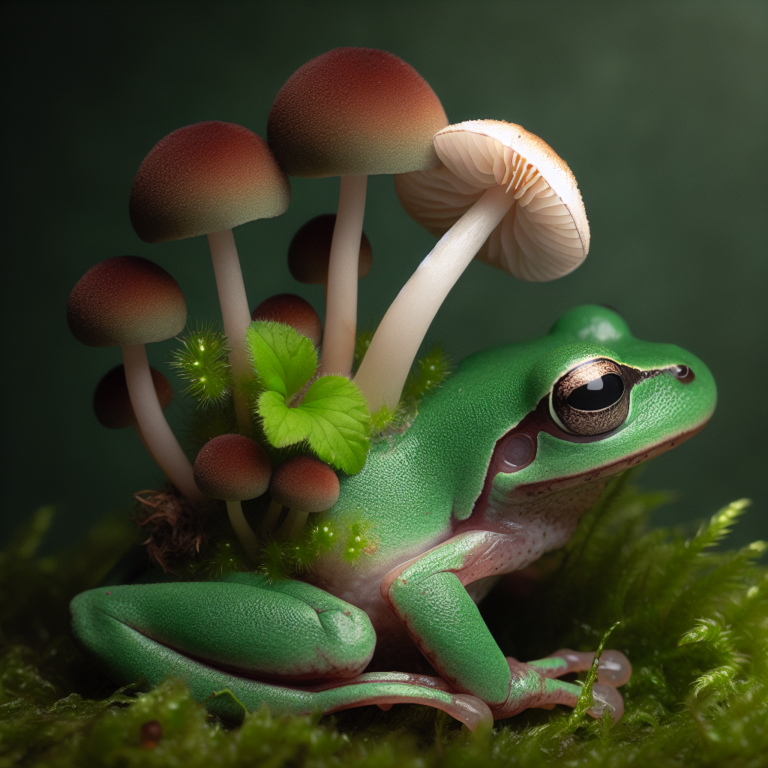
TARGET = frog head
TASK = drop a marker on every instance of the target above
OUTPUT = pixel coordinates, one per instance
(593, 400)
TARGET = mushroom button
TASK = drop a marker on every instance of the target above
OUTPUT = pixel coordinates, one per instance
(128, 302)
(234, 468)
(352, 112)
(291, 310)
(310, 252)
(112, 403)
(304, 485)
(501, 192)
(205, 179)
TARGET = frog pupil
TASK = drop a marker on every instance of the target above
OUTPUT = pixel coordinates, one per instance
(597, 394)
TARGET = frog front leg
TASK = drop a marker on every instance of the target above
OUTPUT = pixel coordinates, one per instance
(286, 644)
(428, 595)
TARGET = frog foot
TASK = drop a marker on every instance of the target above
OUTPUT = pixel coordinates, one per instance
(614, 668)
(535, 685)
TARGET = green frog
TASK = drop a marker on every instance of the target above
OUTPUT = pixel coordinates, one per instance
(494, 471)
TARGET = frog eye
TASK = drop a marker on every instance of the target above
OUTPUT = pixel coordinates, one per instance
(591, 399)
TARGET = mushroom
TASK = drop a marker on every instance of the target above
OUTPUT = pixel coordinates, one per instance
(234, 468)
(290, 309)
(205, 179)
(502, 192)
(352, 112)
(310, 251)
(112, 403)
(303, 484)
(127, 302)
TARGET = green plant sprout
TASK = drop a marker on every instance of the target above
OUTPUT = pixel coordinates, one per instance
(331, 414)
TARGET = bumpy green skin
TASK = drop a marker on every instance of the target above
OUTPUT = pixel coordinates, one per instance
(304, 646)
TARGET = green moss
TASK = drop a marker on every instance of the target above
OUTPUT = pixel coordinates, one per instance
(693, 621)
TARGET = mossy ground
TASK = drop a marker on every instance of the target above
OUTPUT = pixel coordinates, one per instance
(693, 621)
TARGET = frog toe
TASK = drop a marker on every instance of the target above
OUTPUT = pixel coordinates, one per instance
(614, 668)
(606, 698)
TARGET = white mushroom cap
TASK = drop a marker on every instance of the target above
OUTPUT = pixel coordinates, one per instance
(544, 235)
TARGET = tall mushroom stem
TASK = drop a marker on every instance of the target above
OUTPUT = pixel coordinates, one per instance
(152, 426)
(341, 292)
(243, 531)
(394, 346)
(235, 314)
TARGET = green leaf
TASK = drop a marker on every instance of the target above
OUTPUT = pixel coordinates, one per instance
(283, 426)
(284, 359)
(340, 423)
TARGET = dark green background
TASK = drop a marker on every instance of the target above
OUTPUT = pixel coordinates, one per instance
(660, 110)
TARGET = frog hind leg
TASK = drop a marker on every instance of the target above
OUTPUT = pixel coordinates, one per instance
(428, 595)
(260, 641)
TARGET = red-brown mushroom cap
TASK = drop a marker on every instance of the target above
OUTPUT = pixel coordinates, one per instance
(355, 111)
(291, 310)
(310, 251)
(232, 468)
(126, 300)
(204, 178)
(305, 483)
(112, 404)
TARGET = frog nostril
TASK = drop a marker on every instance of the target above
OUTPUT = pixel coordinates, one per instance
(519, 452)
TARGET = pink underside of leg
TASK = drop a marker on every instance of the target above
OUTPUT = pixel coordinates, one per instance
(469, 710)
(424, 689)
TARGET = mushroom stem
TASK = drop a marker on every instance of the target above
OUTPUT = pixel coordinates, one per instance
(341, 290)
(235, 314)
(294, 523)
(272, 516)
(152, 426)
(394, 346)
(244, 531)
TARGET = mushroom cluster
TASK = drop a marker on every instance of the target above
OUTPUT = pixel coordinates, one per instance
(486, 188)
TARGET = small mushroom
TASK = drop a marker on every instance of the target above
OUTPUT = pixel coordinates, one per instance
(127, 302)
(502, 192)
(352, 112)
(234, 468)
(112, 403)
(291, 310)
(205, 179)
(310, 252)
(304, 485)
